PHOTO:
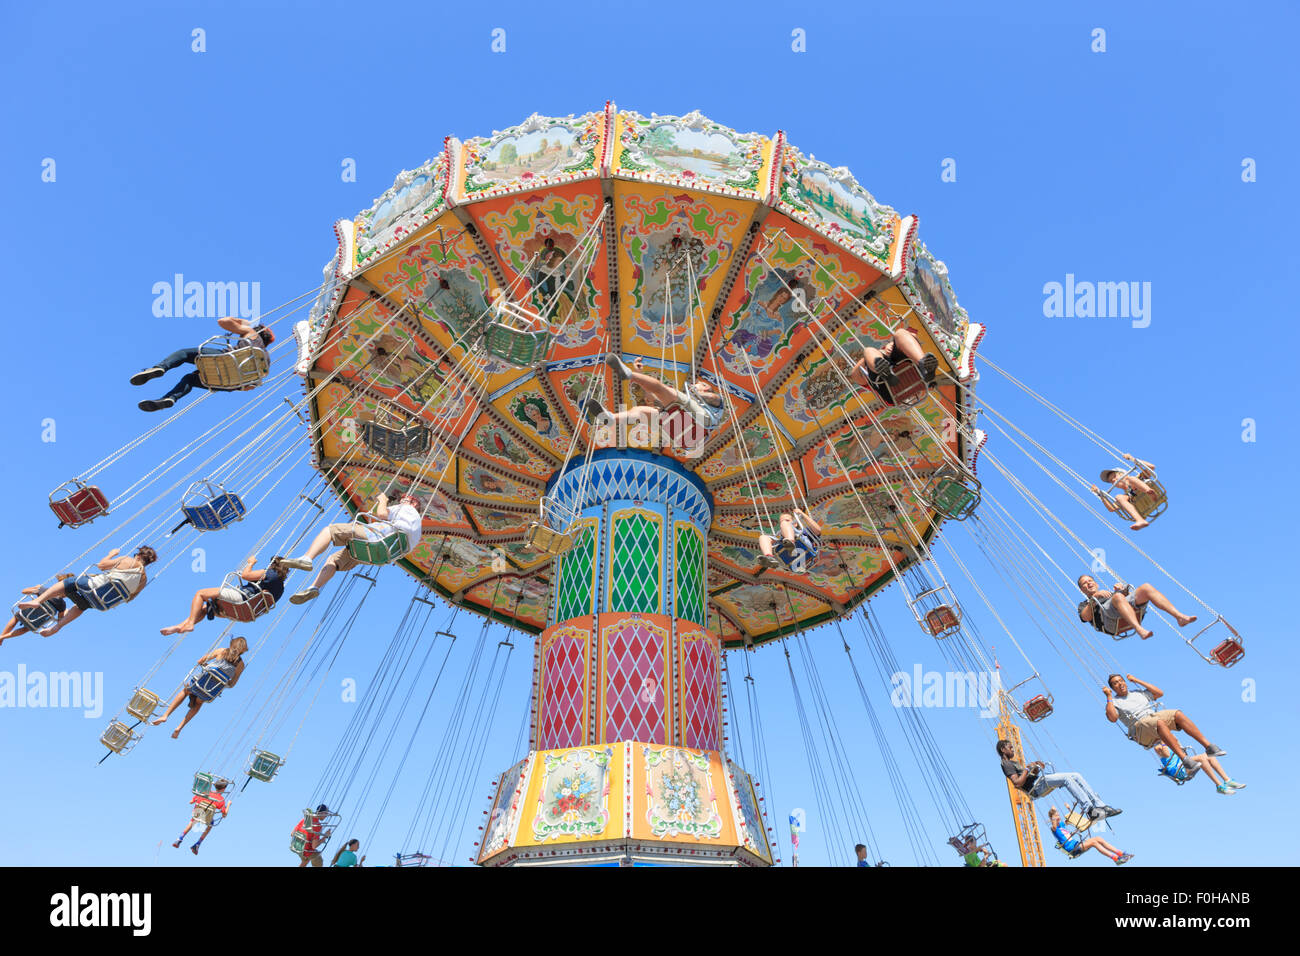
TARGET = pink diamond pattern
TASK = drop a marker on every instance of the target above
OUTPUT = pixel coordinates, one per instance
(563, 691)
(634, 682)
(699, 694)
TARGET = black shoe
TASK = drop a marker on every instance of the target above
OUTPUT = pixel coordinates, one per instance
(885, 371)
(147, 375)
(156, 404)
(593, 410)
(928, 365)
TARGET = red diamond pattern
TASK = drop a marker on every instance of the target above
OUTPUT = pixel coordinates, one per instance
(634, 682)
(563, 691)
(699, 694)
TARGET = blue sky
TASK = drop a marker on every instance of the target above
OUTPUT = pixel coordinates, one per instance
(1116, 166)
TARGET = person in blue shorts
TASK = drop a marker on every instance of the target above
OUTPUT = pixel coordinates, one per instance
(1176, 769)
(799, 545)
(1073, 843)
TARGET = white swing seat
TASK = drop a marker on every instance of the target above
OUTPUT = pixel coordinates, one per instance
(235, 368)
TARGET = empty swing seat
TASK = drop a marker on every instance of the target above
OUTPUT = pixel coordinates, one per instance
(210, 507)
(541, 538)
(942, 620)
(142, 704)
(1036, 708)
(1228, 651)
(514, 338)
(264, 765)
(119, 738)
(231, 368)
(952, 495)
(76, 503)
(396, 443)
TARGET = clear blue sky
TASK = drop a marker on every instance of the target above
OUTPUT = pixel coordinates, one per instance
(1122, 166)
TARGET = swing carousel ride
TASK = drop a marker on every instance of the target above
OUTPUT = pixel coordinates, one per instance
(469, 323)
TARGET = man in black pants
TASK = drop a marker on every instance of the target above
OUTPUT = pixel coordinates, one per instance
(249, 334)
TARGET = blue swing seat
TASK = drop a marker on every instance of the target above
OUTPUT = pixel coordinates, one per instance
(209, 507)
(206, 682)
(36, 618)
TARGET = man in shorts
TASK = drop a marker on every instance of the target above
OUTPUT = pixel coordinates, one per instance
(406, 516)
(798, 545)
(1127, 486)
(1113, 611)
(1135, 709)
(875, 369)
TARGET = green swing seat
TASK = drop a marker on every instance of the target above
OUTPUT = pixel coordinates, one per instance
(952, 494)
(264, 765)
(511, 336)
(386, 550)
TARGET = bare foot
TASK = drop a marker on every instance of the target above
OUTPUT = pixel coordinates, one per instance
(50, 631)
(1139, 525)
(1185, 619)
(1144, 634)
(177, 629)
(160, 720)
(176, 733)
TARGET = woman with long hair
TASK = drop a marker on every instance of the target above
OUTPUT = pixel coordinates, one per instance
(221, 669)
(124, 576)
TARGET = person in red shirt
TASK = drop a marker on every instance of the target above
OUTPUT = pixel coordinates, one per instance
(311, 835)
(206, 807)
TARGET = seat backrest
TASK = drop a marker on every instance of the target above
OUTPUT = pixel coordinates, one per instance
(142, 704)
(516, 346)
(384, 551)
(247, 610)
(239, 368)
(107, 594)
(81, 505)
(910, 388)
(35, 618)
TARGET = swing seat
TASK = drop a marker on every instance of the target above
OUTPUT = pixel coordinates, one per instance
(514, 337)
(206, 683)
(119, 738)
(264, 765)
(106, 595)
(386, 550)
(249, 607)
(541, 538)
(942, 620)
(1036, 708)
(37, 618)
(210, 507)
(142, 704)
(396, 444)
(1228, 651)
(236, 368)
(910, 388)
(1151, 506)
(681, 430)
(1079, 822)
(76, 503)
(1074, 854)
(952, 495)
(204, 783)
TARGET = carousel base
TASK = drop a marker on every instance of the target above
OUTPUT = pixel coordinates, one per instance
(625, 804)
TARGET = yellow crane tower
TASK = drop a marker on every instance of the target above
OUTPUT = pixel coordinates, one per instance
(1022, 807)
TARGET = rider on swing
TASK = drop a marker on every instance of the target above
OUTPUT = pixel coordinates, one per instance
(799, 545)
(875, 369)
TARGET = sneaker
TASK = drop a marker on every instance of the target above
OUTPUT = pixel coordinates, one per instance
(928, 366)
(1234, 785)
(298, 564)
(620, 368)
(1224, 789)
(156, 404)
(884, 371)
(1212, 750)
(302, 597)
(768, 563)
(195, 849)
(177, 844)
(1102, 812)
(1123, 858)
(592, 410)
(147, 375)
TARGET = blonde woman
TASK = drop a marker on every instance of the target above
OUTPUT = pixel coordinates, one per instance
(221, 669)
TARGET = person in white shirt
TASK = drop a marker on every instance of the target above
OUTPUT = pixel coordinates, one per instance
(1136, 710)
(406, 516)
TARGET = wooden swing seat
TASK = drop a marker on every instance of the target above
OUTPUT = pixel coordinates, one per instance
(1151, 506)
(249, 607)
(541, 538)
